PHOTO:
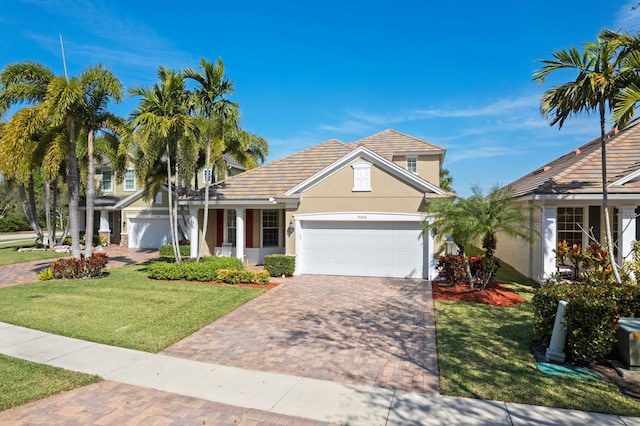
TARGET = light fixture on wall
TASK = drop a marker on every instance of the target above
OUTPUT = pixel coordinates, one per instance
(291, 228)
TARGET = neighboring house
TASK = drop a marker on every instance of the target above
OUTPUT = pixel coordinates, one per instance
(124, 217)
(568, 192)
(340, 208)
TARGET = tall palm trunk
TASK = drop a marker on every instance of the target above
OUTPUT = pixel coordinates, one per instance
(605, 194)
(91, 197)
(467, 266)
(47, 212)
(176, 251)
(206, 201)
(176, 228)
(54, 214)
(27, 196)
(74, 190)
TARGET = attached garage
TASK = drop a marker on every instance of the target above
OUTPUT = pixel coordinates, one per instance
(148, 231)
(362, 248)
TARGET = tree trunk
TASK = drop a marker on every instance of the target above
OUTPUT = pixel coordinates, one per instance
(605, 195)
(467, 267)
(91, 197)
(170, 201)
(206, 200)
(54, 214)
(27, 207)
(74, 190)
(47, 212)
(175, 214)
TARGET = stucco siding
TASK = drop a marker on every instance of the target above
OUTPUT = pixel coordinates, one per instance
(522, 256)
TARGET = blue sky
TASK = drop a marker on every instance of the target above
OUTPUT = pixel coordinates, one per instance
(457, 74)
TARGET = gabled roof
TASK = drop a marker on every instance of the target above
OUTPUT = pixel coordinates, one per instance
(579, 172)
(389, 143)
(279, 178)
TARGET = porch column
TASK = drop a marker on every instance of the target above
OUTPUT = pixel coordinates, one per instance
(549, 239)
(104, 221)
(240, 243)
(193, 233)
(626, 232)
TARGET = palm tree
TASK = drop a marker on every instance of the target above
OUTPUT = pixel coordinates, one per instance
(600, 79)
(454, 219)
(209, 100)
(499, 213)
(23, 83)
(161, 122)
(100, 86)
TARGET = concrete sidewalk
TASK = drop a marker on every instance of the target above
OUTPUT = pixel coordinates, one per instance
(282, 394)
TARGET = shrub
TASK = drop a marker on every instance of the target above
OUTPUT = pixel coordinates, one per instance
(280, 264)
(262, 277)
(206, 270)
(236, 277)
(451, 268)
(46, 275)
(14, 224)
(166, 250)
(72, 268)
(591, 316)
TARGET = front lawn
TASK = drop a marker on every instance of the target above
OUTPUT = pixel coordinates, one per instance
(124, 308)
(23, 381)
(484, 352)
(9, 252)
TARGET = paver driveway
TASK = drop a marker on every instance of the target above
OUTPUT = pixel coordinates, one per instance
(370, 331)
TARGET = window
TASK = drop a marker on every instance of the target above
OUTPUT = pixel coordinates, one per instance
(412, 164)
(231, 227)
(129, 180)
(270, 228)
(207, 176)
(570, 219)
(106, 180)
(361, 177)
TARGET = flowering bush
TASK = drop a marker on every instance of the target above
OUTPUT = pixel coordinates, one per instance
(72, 268)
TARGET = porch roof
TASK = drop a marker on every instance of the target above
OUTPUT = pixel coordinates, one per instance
(579, 172)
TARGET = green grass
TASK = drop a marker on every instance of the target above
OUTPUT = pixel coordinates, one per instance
(23, 381)
(124, 308)
(9, 252)
(484, 352)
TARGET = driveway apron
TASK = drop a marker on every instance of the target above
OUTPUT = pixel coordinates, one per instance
(359, 330)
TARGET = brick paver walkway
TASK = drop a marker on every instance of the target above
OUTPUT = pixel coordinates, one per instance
(27, 272)
(111, 403)
(370, 331)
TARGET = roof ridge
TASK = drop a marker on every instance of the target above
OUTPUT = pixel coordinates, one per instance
(397, 132)
(286, 157)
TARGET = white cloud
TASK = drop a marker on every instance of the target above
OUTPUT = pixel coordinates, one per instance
(628, 17)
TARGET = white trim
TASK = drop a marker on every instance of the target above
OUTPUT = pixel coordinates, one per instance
(256, 204)
(367, 155)
(124, 181)
(415, 159)
(361, 217)
(147, 216)
(131, 209)
(577, 197)
(361, 177)
(626, 179)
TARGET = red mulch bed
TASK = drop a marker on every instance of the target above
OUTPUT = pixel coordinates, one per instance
(494, 294)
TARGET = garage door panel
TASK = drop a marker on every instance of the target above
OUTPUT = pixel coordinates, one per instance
(148, 233)
(392, 249)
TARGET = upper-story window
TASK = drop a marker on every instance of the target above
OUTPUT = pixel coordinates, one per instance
(361, 177)
(107, 181)
(129, 180)
(412, 164)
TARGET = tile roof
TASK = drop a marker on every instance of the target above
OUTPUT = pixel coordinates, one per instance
(580, 171)
(391, 142)
(276, 178)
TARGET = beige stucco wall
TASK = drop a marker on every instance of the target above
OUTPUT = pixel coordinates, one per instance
(335, 194)
(387, 194)
(428, 166)
(522, 256)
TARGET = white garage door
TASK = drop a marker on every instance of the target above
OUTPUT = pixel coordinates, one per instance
(376, 249)
(148, 232)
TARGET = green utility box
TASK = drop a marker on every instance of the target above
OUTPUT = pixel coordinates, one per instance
(628, 335)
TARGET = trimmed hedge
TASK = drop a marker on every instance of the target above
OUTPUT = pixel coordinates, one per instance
(591, 316)
(243, 277)
(280, 264)
(206, 270)
(166, 250)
